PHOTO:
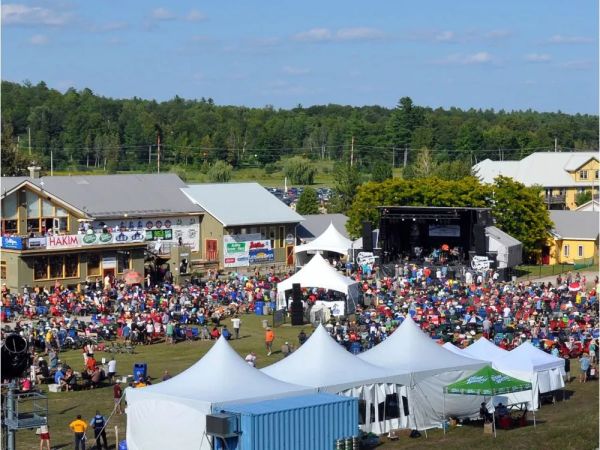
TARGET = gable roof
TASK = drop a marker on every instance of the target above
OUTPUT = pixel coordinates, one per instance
(240, 204)
(505, 239)
(314, 225)
(575, 224)
(330, 240)
(541, 168)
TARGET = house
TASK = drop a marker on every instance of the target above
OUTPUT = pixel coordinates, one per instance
(574, 237)
(562, 175)
(76, 228)
(244, 225)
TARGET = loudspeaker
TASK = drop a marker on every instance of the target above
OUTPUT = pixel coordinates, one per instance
(297, 313)
(296, 292)
(484, 217)
(480, 239)
(367, 237)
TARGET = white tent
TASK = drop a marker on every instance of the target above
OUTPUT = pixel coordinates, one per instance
(318, 273)
(544, 371)
(453, 348)
(325, 365)
(172, 414)
(484, 350)
(431, 367)
(330, 241)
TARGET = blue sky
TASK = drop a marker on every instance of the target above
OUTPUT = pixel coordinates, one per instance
(510, 54)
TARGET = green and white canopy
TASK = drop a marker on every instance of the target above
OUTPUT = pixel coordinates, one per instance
(489, 382)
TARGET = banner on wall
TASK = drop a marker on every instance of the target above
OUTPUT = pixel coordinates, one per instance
(239, 252)
(337, 307)
(12, 243)
(66, 241)
(235, 254)
(261, 256)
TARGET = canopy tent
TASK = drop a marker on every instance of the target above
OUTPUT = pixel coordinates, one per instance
(318, 273)
(487, 382)
(484, 350)
(330, 241)
(323, 364)
(172, 414)
(453, 348)
(431, 367)
(544, 371)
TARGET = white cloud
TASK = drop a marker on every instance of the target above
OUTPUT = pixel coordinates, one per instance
(538, 57)
(358, 33)
(195, 16)
(463, 59)
(314, 35)
(295, 70)
(454, 37)
(562, 39)
(162, 14)
(445, 36)
(582, 64)
(38, 39)
(16, 14)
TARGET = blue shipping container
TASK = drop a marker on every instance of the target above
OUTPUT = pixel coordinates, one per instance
(313, 422)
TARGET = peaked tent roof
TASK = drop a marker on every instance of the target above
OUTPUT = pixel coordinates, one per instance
(453, 348)
(322, 363)
(314, 225)
(527, 358)
(318, 273)
(331, 240)
(484, 350)
(487, 381)
(240, 204)
(409, 349)
(220, 376)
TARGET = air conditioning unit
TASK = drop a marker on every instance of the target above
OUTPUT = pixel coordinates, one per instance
(222, 425)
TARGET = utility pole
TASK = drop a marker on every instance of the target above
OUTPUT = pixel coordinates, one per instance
(158, 156)
(555, 144)
(352, 152)
(51, 163)
(149, 154)
(29, 134)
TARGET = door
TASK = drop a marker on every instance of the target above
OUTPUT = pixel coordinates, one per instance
(546, 255)
(289, 255)
(211, 249)
(110, 273)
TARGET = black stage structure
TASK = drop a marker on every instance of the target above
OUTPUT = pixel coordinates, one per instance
(433, 235)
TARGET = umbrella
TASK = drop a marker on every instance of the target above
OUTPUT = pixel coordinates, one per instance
(574, 287)
(133, 277)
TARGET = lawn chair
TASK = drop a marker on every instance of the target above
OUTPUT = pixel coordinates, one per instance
(195, 333)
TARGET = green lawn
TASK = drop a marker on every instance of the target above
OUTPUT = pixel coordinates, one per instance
(569, 425)
(540, 271)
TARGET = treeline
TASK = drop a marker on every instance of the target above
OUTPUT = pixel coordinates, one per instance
(83, 130)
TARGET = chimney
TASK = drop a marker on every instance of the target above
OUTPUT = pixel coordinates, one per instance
(34, 171)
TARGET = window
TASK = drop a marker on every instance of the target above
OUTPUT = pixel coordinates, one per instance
(3, 270)
(40, 268)
(583, 174)
(580, 251)
(9, 207)
(566, 250)
(9, 227)
(71, 266)
(596, 174)
(123, 261)
(93, 265)
(272, 233)
(281, 237)
(56, 266)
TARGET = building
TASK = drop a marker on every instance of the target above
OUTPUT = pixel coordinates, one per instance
(574, 237)
(561, 175)
(244, 225)
(77, 228)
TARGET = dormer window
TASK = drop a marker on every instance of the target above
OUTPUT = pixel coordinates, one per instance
(583, 174)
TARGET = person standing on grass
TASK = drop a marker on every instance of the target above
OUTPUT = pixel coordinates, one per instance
(44, 437)
(236, 321)
(99, 424)
(584, 365)
(78, 427)
(117, 394)
(269, 338)
(567, 369)
(112, 369)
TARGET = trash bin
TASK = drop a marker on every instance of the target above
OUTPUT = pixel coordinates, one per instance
(140, 369)
(258, 308)
(265, 323)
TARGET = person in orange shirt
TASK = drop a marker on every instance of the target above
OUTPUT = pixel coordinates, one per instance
(78, 426)
(269, 338)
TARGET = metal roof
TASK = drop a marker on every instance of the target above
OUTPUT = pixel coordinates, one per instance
(576, 224)
(505, 239)
(314, 225)
(542, 168)
(106, 196)
(240, 204)
(7, 184)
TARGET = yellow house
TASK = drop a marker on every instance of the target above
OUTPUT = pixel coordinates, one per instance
(574, 237)
(562, 175)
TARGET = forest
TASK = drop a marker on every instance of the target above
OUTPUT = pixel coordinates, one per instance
(82, 131)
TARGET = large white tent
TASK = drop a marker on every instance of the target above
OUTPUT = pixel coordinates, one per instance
(318, 273)
(330, 241)
(544, 371)
(325, 365)
(484, 350)
(431, 368)
(172, 414)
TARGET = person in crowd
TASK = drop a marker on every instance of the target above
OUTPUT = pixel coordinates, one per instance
(236, 323)
(584, 366)
(79, 427)
(112, 368)
(166, 376)
(501, 410)
(302, 337)
(484, 413)
(286, 349)
(251, 359)
(225, 333)
(117, 396)
(567, 369)
(44, 437)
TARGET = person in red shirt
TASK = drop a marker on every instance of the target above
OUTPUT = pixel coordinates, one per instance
(90, 363)
(117, 394)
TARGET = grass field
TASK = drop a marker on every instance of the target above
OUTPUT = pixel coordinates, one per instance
(572, 424)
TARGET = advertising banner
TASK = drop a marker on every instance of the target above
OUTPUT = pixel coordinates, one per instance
(337, 307)
(36, 242)
(66, 241)
(239, 252)
(13, 243)
(261, 255)
(235, 254)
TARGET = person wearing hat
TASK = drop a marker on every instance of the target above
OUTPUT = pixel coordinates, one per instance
(79, 426)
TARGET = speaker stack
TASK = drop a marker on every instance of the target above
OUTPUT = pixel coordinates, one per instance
(480, 239)
(367, 237)
(297, 310)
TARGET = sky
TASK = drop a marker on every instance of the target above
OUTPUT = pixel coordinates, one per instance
(509, 54)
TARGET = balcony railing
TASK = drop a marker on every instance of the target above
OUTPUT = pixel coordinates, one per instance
(554, 199)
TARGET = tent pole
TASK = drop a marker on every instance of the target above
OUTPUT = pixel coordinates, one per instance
(533, 410)
(494, 421)
(444, 413)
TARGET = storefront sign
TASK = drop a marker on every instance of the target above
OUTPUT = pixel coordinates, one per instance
(289, 239)
(36, 242)
(127, 237)
(239, 252)
(261, 256)
(235, 254)
(66, 241)
(155, 235)
(337, 307)
(13, 243)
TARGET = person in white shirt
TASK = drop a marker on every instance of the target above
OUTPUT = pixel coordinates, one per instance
(236, 322)
(251, 359)
(112, 368)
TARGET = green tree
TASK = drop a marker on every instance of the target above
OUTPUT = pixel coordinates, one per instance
(308, 203)
(14, 163)
(520, 212)
(403, 122)
(583, 197)
(220, 172)
(300, 170)
(381, 171)
(347, 180)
